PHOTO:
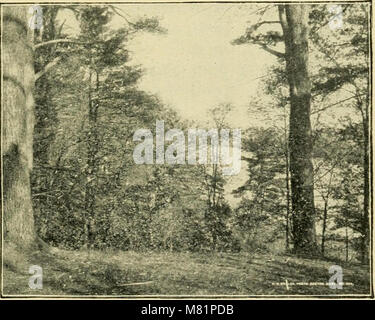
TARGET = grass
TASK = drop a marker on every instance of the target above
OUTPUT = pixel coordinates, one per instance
(174, 273)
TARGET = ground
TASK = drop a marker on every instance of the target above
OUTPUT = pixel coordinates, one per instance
(170, 273)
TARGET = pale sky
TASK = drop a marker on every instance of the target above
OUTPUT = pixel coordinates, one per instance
(194, 67)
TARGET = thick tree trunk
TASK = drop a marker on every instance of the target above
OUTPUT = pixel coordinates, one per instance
(18, 122)
(294, 22)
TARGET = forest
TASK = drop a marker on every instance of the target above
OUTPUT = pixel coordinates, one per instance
(76, 203)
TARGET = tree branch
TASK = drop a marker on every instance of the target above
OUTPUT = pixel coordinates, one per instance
(248, 37)
(269, 50)
(116, 10)
(282, 17)
(259, 24)
(47, 68)
(42, 44)
(334, 104)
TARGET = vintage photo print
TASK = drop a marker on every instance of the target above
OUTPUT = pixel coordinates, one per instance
(205, 149)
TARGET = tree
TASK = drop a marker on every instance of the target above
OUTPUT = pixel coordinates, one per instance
(217, 210)
(329, 152)
(340, 74)
(276, 87)
(77, 165)
(263, 196)
(348, 195)
(18, 122)
(294, 23)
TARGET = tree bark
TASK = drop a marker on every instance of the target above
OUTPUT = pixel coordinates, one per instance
(325, 214)
(293, 19)
(366, 190)
(346, 244)
(287, 179)
(287, 226)
(18, 123)
(92, 163)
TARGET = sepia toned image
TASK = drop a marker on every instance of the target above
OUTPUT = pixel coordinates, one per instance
(186, 150)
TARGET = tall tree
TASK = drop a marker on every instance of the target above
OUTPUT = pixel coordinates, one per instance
(294, 24)
(217, 210)
(18, 122)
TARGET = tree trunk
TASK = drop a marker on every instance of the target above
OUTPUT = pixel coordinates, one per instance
(18, 123)
(287, 226)
(366, 191)
(92, 163)
(295, 27)
(346, 244)
(325, 214)
(45, 109)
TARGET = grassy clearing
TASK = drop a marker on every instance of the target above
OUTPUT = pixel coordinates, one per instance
(171, 273)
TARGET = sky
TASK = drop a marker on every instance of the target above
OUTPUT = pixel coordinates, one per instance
(194, 66)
